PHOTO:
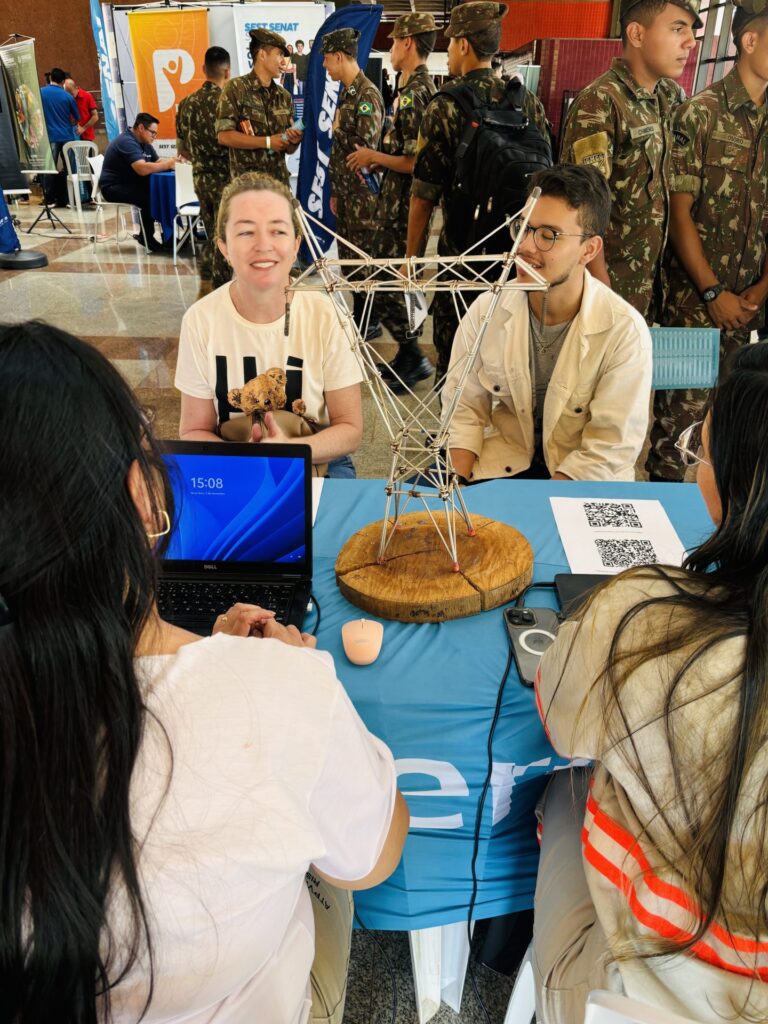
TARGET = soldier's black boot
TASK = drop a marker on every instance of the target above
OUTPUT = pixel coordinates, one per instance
(410, 364)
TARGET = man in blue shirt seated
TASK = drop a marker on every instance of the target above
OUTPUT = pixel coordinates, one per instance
(62, 122)
(128, 162)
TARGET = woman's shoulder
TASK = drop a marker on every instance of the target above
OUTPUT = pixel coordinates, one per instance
(643, 591)
(210, 308)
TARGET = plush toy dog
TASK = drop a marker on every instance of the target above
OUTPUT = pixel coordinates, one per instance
(263, 394)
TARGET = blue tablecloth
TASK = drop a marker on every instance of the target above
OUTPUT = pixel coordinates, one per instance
(431, 695)
(162, 200)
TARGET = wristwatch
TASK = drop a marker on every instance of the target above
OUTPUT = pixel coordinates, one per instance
(711, 293)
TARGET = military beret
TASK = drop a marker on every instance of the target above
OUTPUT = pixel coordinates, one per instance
(413, 24)
(343, 40)
(475, 16)
(746, 11)
(692, 6)
(264, 37)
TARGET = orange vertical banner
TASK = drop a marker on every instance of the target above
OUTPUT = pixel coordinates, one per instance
(168, 52)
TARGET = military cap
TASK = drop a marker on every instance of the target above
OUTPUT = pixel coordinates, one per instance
(343, 40)
(466, 19)
(692, 6)
(746, 11)
(265, 37)
(413, 24)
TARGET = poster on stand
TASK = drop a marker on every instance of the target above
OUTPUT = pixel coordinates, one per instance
(11, 177)
(168, 53)
(111, 97)
(21, 84)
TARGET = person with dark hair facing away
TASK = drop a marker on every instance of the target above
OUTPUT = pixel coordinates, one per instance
(562, 377)
(197, 141)
(474, 35)
(163, 794)
(654, 864)
(128, 162)
(62, 123)
(622, 124)
(718, 272)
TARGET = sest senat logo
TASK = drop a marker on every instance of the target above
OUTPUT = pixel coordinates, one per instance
(172, 68)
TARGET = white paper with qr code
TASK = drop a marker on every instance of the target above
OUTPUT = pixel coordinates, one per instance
(609, 535)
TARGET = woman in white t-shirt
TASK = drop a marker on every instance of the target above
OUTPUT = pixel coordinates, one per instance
(249, 326)
(163, 794)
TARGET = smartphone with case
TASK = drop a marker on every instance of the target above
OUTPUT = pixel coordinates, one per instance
(531, 632)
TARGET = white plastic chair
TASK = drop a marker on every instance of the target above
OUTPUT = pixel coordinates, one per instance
(611, 1008)
(76, 154)
(521, 1008)
(97, 162)
(187, 205)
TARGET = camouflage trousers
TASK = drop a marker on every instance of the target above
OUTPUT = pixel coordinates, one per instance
(353, 222)
(389, 307)
(676, 409)
(211, 264)
(445, 323)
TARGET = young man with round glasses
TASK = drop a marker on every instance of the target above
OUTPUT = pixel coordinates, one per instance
(561, 384)
(128, 162)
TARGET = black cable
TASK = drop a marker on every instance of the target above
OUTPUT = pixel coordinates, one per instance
(313, 600)
(544, 585)
(478, 822)
(390, 966)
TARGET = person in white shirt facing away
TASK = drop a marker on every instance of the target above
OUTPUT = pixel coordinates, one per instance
(561, 384)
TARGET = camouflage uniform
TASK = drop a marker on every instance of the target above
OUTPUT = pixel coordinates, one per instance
(196, 136)
(392, 208)
(720, 157)
(439, 137)
(625, 131)
(269, 108)
(359, 117)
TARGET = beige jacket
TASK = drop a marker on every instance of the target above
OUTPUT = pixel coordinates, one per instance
(596, 407)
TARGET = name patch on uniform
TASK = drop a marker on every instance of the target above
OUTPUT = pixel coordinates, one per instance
(643, 131)
(734, 140)
(406, 100)
(593, 150)
(681, 139)
(365, 108)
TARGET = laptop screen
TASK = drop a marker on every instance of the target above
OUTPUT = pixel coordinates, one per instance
(236, 510)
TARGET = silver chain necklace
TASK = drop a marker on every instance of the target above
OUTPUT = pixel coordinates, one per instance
(537, 328)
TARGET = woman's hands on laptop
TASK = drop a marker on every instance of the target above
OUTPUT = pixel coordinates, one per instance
(251, 620)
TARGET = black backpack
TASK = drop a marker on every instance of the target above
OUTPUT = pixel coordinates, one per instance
(499, 150)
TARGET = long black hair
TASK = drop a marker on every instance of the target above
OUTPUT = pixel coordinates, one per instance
(77, 584)
(719, 596)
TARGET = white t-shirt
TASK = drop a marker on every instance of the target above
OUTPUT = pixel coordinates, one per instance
(272, 770)
(219, 349)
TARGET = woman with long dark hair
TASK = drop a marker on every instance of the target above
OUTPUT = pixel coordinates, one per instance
(162, 795)
(654, 867)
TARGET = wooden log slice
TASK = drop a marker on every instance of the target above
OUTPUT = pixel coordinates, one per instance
(416, 583)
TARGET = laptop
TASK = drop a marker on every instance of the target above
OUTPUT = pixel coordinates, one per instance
(242, 531)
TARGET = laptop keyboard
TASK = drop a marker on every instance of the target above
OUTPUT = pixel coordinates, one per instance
(203, 601)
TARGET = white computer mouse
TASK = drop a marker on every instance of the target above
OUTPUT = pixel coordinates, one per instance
(362, 640)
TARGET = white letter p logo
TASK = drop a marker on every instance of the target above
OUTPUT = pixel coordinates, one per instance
(172, 68)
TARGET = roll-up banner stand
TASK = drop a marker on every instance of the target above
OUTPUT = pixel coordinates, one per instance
(11, 177)
(21, 85)
(111, 93)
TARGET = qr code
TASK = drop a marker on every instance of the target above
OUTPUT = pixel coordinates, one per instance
(622, 554)
(602, 514)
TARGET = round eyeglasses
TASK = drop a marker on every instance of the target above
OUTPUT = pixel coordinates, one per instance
(544, 238)
(690, 446)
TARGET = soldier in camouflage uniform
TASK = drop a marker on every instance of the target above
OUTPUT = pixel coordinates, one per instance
(622, 124)
(717, 274)
(255, 113)
(196, 141)
(475, 33)
(358, 121)
(413, 38)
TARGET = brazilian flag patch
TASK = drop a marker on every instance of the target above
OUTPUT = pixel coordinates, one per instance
(365, 108)
(406, 100)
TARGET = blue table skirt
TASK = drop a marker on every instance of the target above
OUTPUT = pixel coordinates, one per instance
(431, 694)
(162, 200)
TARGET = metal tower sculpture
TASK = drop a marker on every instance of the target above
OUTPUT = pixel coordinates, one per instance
(418, 426)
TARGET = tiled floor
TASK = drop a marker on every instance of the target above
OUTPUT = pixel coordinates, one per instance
(130, 306)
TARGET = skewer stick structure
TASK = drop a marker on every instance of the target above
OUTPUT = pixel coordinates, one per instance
(419, 426)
